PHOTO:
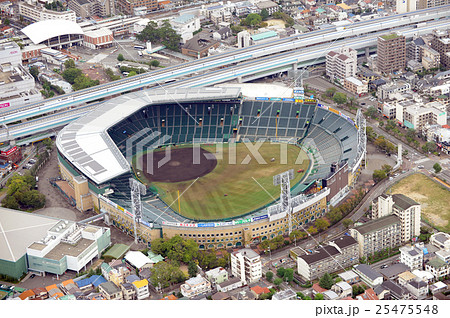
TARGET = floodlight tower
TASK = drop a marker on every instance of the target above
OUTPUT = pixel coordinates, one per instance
(284, 181)
(137, 189)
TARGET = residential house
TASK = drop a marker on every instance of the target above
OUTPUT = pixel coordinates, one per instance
(391, 272)
(369, 294)
(128, 291)
(287, 294)
(395, 291)
(412, 257)
(349, 277)
(258, 290)
(406, 277)
(220, 296)
(217, 275)
(342, 289)
(110, 291)
(368, 275)
(330, 295)
(195, 286)
(141, 288)
(229, 284)
(419, 289)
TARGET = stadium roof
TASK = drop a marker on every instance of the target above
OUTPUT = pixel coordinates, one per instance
(47, 29)
(20, 229)
(86, 143)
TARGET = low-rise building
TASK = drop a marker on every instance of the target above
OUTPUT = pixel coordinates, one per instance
(128, 291)
(229, 284)
(110, 291)
(419, 289)
(342, 289)
(38, 12)
(412, 257)
(199, 46)
(98, 39)
(185, 25)
(141, 288)
(217, 275)
(441, 240)
(391, 272)
(270, 6)
(355, 86)
(195, 286)
(387, 90)
(437, 267)
(395, 291)
(368, 275)
(287, 294)
(349, 277)
(406, 277)
(138, 260)
(430, 58)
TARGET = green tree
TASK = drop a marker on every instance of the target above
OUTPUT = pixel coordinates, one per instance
(340, 98)
(379, 175)
(10, 202)
(280, 272)
(83, 81)
(269, 276)
(264, 14)
(387, 168)
(253, 19)
(326, 281)
(132, 73)
(164, 274)
(371, 112)
(154, 63)
(120, 57)
(318, 297)
(429, 147)
(192, 269)
(48, 143)
(6, 21)
(437, 167)
(312, 230)
(69, 64)
(322, 224)
(297, 234)
(277, 282)
(330, 92)
(347, 223)
(288, 275)
(334, 215)
(34, 71)
(71, 74)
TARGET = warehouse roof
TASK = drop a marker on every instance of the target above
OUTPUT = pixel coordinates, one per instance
(18, 230)
(47, 29)
(117, 251)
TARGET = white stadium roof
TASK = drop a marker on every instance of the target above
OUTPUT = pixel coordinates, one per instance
(87, 145)
(47, 29)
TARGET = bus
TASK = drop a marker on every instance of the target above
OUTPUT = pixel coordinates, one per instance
(140, 53)
(139, 47)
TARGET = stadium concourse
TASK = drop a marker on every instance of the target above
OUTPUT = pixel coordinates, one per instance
(96, 151)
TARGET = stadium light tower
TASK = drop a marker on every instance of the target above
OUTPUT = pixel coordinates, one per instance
(137, 189)
(284, 181)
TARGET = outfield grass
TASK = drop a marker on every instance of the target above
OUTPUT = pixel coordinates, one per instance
(433, 197)
(230, 190)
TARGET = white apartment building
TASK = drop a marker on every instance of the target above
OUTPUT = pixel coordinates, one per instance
(412, 257)
(388, 90)
(355, 86)
(141, 288)
(403, 6)
(246, 264)
(195, 286)
(406, 209)
(185, 25)
(40, 13)
(441, 240)
(18, 87)
(341, 63)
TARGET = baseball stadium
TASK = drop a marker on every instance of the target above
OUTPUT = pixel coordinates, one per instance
(205, 160)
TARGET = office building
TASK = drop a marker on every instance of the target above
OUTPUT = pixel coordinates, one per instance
(355, 86)
(341, 63)
(377, 235)
(391, 52)
(246, 264)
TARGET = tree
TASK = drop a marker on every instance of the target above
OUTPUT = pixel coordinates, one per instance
(277, 282)
(34, 71)
(120, 57)
(437, 167)
(322, 224)
(371, 112)
(264, 14)
(48, 143)
(318, 297)
(429, 147)
(334, 215)
(192, 269)
(83, 81)
(297, 234)
(387, 168)
(10, 202)
(69, 64)
(165, 35)
(71, 74)
(340, 98)
(347, 223)
(288, 275)
(269, 276)
(330, 92)
(280, 272)
(6, 21)
(132, 73)
(379, 175)
(154, 63)
(326, 281)
(253, 19)
(165, 274)
(312, 230)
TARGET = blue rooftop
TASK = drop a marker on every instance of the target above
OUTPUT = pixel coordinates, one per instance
(94, 280)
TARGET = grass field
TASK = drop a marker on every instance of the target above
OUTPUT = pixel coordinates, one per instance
(433, 197)
(230, 190)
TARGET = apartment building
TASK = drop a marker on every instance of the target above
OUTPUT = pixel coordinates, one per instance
(430, 58)
(377, 235)
(88, 8)
(441, 240)
(403, 6)
(391, 52)
(414, 48)
(418, 116)
(270, 6)
(141, 288)
(355, 86)
(341, 63)
(424, 4)
(185, 25)
(195, 286)
(437, 267)
(387, 90)
(441, 43)
(407, 210)
(217, 275)
(246, 264)
(338, 254)
(38, 12)
(412, 257)
(127, 6)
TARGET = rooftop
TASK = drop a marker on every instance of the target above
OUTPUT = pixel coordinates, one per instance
(391, 36)
(47, 29)
(368, 271)
(264, 35)
(403, 201)
(377, 224)
(247, 252)
(394, 270)
(63, 249)
(110, 288)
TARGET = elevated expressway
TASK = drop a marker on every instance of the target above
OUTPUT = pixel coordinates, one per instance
(255, 62)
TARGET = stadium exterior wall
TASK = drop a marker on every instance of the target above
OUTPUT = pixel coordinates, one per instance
(14, 269)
